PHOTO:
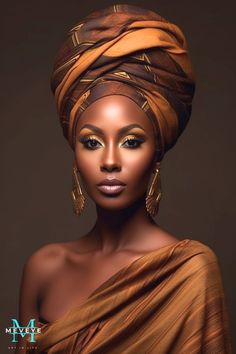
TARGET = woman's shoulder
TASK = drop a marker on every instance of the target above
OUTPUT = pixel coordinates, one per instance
(52, 256)
(190, 253)
(200, 261)
(46, 259)
(189, 248)
(201, 251)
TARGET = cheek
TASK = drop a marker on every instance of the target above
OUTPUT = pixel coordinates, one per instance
(137, 169)
(86, 162)
(138, 161)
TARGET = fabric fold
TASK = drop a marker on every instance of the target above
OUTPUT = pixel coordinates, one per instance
(169, 300)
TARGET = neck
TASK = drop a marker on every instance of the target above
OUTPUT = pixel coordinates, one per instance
(118, 230)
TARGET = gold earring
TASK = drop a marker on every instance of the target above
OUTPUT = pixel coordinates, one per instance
(154, 194)
(77, 195)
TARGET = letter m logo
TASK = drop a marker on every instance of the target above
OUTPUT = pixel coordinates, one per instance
(21, 330)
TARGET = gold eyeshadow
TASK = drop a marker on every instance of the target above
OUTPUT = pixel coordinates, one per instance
(85, 138)
(132, 137)
(137, 135)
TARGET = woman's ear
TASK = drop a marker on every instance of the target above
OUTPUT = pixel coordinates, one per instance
(156, 163)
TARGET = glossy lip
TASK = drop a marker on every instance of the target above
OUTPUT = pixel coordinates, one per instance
(111, 189)
(111, 182)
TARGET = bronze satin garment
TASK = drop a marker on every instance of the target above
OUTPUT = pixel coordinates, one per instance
(130, 51)
(170, 300)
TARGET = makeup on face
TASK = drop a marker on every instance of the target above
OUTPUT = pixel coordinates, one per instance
(90, 136)
(131, 136)
(111, 190)
(114, 150)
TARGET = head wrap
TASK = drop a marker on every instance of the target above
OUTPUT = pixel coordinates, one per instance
(129, 51)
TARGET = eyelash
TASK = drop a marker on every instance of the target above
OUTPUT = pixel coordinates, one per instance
(86, 140)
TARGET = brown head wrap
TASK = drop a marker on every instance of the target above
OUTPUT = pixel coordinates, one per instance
(129, 51)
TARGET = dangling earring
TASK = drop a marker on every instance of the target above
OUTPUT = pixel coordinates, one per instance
(154, 194)
(77, 195)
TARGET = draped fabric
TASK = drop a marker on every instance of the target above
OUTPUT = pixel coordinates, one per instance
(170, 300)
(130, 51)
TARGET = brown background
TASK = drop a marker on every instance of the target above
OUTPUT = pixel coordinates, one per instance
(198, 175)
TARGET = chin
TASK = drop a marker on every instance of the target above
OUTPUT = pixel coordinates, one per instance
(115, 202)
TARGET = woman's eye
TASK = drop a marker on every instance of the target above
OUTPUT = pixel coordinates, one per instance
(132, 143)
(90, 143)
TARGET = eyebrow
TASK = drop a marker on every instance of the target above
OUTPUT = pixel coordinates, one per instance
(121, 130)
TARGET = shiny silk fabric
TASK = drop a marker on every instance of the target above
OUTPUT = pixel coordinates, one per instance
(129, 51)
(170, 300)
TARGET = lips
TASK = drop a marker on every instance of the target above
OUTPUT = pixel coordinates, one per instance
(111, 182)
(111, 186)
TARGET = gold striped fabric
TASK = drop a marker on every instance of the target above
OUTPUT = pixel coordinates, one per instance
(170, 300)
(131, 51)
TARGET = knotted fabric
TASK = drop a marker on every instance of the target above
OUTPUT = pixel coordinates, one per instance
(130, 51)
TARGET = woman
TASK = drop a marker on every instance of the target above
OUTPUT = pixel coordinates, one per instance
(124, 85)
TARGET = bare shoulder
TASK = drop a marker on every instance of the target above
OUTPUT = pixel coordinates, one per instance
(53, 256)
(46, 259)
(39, 267)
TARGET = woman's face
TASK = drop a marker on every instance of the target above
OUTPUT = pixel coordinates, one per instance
(115, 140)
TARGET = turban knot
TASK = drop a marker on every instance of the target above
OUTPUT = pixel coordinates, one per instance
(131, 51)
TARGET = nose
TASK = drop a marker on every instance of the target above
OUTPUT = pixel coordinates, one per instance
(110, 159)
